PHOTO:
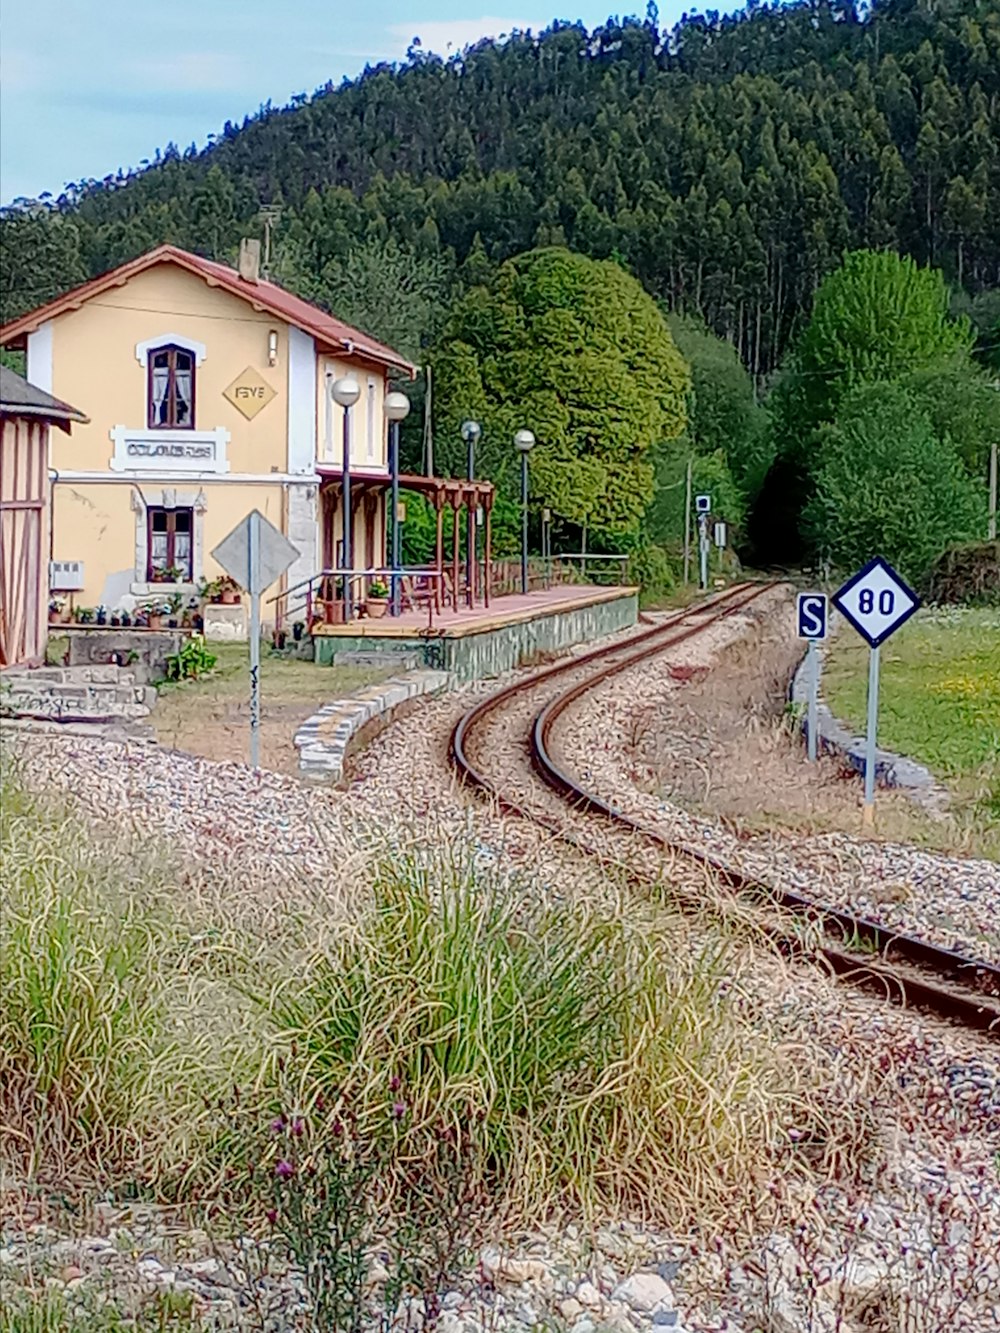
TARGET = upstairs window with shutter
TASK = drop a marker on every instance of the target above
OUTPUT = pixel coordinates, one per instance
(171, 389)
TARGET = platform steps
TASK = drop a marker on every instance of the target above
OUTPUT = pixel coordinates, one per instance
(85, 694)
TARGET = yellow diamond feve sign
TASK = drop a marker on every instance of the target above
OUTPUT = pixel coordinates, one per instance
(249, 393)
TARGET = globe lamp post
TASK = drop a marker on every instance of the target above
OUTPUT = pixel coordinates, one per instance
(397, 405)
(524, 442)
(346, 392)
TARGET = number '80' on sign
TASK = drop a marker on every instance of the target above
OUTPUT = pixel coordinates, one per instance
(876, 601)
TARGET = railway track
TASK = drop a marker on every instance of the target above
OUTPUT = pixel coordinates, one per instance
(504, 747)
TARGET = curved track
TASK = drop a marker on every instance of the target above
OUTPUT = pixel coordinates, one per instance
(504, 747)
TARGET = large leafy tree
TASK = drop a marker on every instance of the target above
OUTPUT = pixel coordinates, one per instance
(888, 484)
(877, 317)
(575, 350)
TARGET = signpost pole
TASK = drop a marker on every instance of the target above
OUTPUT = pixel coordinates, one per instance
(253, 551)
(813, 670)
(703, 548)
(868, 813)
(687, 526)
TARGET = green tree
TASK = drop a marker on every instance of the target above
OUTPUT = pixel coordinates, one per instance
(574, 349)
(723, 413)
(888, 485)
(877, 318)
(387, 290)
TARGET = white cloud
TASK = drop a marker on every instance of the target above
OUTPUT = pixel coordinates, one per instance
(445, 36)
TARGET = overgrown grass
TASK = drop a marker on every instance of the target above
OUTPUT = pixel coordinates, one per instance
(104, 1028)
(52, 1312)
(939, 701)
(593, 1051)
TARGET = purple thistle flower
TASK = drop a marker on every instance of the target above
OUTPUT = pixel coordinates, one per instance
(394, 1083)
(272, 1216)
(298, 1127)
(399, 1110)
(278, 1124)
(284, 1170)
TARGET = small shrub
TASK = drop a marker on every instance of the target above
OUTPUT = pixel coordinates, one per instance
(193, 660)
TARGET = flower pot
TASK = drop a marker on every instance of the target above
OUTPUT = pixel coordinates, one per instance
(297, 629)
(280, 637)
(55, 617)
(333, 613)
(229, 598)
(155, 622)
(376, 607)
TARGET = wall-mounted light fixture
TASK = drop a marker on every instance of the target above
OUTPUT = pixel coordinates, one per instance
(272, 348)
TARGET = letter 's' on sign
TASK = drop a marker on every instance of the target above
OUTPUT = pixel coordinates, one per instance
(249, 393)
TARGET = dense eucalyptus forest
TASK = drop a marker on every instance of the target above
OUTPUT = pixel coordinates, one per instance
(728, 165)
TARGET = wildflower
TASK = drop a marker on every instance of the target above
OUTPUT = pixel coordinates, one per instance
(278, 1124)
(284, 1170)
(394, 1083)
(298, 1127)
(398, 1110)
(272, 1215)
(337, 1128)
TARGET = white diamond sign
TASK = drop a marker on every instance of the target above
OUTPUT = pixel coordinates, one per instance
(255, 553)
(876, 601)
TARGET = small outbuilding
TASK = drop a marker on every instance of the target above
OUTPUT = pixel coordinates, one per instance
(26, 413)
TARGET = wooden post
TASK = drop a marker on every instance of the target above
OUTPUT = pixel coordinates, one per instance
(456, 504)
(487, 555)
(439, 554)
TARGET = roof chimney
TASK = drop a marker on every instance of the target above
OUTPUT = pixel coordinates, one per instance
(249, 260)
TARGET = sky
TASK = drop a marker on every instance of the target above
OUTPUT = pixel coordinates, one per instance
(87, 86)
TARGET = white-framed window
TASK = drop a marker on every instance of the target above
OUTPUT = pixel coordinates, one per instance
(169, 537)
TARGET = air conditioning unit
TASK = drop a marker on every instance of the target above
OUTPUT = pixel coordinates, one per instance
(66, 575)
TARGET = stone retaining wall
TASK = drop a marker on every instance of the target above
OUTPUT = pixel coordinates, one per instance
(326, 739)
(836, 738)
(500, 647)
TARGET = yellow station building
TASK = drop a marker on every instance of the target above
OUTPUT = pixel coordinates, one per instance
(207, 391)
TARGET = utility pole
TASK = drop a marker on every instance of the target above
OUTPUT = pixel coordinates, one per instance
(687, 525)
(428, 426)
(993, 492)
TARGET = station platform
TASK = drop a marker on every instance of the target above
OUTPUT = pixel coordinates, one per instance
(472, 644)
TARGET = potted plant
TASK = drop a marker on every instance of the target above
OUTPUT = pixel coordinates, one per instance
(279, 638)
(55, 611)
(228, 590)
(101, 616)
(298, 629)
(376, 602)
(85, 615)
(154, 613)
(116, 620)
(174, 606)
(168, 574)
(126, 620)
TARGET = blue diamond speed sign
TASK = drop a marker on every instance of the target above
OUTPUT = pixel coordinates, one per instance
(876, 601)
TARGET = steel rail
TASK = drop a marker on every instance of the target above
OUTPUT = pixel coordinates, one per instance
(905, 965)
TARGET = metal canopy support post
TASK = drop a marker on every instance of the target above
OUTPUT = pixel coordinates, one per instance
(813, 673)
(348, 556)
(253, 538)
(869, 807)
(524, 523)
(394, 556)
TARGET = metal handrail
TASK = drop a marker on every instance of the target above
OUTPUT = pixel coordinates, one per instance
(349, 577)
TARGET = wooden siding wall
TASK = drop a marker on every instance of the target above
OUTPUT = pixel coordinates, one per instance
(24, 529)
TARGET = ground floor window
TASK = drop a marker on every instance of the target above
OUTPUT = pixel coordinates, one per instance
(170, 545)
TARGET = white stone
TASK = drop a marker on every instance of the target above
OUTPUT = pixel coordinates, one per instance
(588, 1295)
(644, 1292)
(570, 1309)
(521, 1270)
(203, 1267)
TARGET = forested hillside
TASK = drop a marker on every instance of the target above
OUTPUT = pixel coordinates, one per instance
(727, 164)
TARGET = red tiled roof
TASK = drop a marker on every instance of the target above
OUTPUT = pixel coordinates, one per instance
(331, 334)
